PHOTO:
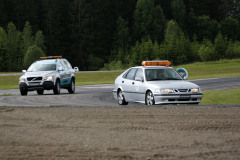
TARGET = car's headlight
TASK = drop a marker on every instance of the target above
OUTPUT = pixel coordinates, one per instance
(22, 80)
(166, 91)
(49, 78)
(195, 90)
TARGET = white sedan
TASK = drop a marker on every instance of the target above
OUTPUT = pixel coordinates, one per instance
(155, 83)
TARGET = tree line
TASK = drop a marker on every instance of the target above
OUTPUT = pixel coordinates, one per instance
(117, 34)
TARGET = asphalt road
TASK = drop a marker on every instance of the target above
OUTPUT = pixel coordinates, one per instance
(95, 95)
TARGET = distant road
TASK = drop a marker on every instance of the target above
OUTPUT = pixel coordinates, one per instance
(96, 95)
(19, 74)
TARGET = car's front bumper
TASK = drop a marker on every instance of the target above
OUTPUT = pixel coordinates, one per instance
(46, 85)
(178, 98)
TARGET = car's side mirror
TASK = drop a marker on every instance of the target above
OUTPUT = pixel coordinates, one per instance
(139, 79)
(183, 73)
(76, 69)
(24, 71)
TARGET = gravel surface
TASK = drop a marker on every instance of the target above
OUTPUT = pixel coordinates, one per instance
(111, 133)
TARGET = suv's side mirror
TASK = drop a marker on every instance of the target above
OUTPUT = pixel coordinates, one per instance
(24, 71)
(60, 69)
(76, 69)
(139, 79)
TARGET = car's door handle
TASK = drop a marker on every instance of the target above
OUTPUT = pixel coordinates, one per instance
(132, 82)
(122, 81)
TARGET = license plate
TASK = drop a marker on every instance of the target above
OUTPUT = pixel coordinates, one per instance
(185, 96)
(34, 84)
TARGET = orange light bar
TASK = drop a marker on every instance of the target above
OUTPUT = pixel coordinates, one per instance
(156, 63)
(51, 57)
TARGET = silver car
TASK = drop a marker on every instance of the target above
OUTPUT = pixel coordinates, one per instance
(155, 85)
(48, 73)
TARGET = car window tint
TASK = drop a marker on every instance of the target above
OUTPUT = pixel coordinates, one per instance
(139, 73)
(68, 64)
(63, 64)
(131, 73)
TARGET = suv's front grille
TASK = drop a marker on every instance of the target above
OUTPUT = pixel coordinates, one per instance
(34, 78)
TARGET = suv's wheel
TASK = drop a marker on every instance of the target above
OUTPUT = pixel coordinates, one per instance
(149, 99)
(56, 89)
(40, 92)
(23, 91)
(71, 88)
(121, 99)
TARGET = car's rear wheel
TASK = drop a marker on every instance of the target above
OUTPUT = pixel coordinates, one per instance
(121, 98)
(71, 88)
(40, 92)
(56, 89)
(23, 91)
(149, 100)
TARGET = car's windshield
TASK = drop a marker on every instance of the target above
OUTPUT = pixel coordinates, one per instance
(40, 66)
(162, 74)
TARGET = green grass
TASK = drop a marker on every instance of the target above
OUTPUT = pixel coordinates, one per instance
(229, 96)
(96, 78)
(214, 69)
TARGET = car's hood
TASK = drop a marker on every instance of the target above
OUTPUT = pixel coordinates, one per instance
(173, 84)
(39, 73)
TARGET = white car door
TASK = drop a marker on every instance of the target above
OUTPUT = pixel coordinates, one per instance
(128, 85)
(138, 84)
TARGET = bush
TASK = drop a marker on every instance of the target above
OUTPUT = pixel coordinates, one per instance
(233, 50)
(206, 51)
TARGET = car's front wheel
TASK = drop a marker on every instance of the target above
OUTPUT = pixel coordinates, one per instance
(121, 99)
(56, 89)
(23, 91)
(149, 100)
(40, 92)
(71, 88)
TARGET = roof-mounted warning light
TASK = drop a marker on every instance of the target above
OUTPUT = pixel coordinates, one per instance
(156, 63)
(49, 57)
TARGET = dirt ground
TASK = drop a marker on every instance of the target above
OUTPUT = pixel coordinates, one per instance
(120, 133)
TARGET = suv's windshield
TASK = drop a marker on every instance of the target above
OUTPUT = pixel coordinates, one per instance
(162, 74)
(42, 66)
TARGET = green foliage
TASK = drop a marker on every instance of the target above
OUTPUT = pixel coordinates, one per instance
(149, 21)
(3, 50)
(233, 50)
(27, 37)
(220, 45)
(33, 53)
(39, 40)
(230, 28)
(14, 54)
(206, 51)
(178, 11)
(142, 51)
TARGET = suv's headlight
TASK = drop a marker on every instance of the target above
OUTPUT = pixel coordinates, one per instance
(195, 90)
(22, 80)
(166, 91)
(49, 78)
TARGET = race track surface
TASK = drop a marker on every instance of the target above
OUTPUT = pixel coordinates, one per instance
(95, 95)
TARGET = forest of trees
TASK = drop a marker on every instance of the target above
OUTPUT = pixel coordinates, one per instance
(104, 34)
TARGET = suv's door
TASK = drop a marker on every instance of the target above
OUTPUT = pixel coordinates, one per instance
(64, 80)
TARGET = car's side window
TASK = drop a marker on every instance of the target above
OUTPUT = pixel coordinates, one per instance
(131, 73)
(67, 64)
(63, 64)
(139, 73)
